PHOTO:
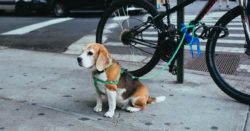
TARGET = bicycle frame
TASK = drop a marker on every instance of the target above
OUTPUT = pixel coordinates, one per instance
(157, 20)
(161, 26)
(201, 14)
(245, 15)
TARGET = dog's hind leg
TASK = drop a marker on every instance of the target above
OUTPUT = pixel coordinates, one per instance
(132, 109)
(138, 103)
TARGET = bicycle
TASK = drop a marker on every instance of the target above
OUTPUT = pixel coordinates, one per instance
(134, 20)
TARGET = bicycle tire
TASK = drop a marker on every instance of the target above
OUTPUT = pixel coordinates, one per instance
(231, 84)
(117, 6)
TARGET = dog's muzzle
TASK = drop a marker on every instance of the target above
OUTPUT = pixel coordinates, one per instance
(79, 60)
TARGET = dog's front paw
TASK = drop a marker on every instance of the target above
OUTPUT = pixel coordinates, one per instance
(97, 108)
(109, 114)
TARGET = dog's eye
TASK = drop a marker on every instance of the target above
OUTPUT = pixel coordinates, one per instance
(90, 53)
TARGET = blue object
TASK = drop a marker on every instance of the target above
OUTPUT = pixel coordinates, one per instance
(158, 5)
(190, 39)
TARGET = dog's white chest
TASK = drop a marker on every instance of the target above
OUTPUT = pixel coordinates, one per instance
(102, 76)
(119, 99)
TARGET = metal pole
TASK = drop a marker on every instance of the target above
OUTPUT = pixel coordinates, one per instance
(180, 60)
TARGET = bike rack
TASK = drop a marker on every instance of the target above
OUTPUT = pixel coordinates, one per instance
(180, 60)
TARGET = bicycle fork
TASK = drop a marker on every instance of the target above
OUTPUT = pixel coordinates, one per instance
(245, 16)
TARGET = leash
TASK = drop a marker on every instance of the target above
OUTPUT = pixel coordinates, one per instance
(190, 42)
(190, 39)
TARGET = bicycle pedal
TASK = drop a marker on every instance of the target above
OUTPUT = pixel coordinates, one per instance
(172, 69)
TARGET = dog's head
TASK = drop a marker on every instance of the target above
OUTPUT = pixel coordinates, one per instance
(94, 56)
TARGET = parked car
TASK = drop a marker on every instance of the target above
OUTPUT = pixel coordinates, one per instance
(58, 8)
(23, 7)
(63, 7)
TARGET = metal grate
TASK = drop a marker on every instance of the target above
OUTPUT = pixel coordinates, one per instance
(226, 63)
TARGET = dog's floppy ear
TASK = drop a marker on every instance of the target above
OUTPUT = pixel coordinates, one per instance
(102, 61)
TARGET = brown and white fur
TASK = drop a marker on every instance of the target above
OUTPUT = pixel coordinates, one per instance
(129, 94)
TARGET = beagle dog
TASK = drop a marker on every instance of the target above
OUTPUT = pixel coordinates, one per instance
(128, 94)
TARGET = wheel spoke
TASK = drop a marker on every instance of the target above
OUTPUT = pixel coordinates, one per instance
(143, 42)
(117, 36)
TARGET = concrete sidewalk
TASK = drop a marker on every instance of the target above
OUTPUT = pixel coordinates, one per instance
(49, 92)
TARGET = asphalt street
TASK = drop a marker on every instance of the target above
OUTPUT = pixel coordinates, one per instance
(58, 36)
(52, 37)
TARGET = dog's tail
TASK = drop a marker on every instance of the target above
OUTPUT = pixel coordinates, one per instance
(152, 100)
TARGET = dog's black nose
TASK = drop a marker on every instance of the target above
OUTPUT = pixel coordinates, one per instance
(79, 59)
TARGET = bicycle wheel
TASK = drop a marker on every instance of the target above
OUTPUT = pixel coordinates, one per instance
(135, 49)
(227, 62)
